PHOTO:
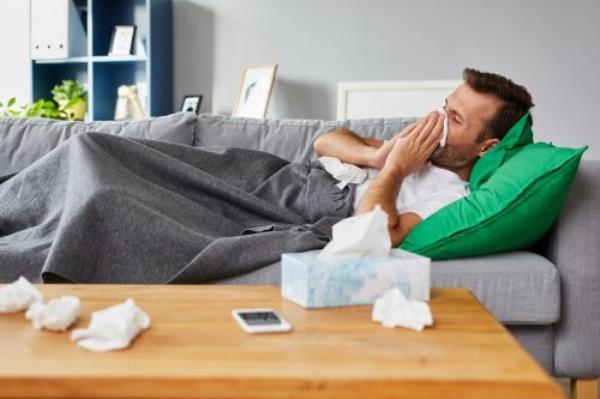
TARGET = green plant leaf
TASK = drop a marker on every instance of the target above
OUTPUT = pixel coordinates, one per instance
(72, 102)
(67, 94)
(67, 91)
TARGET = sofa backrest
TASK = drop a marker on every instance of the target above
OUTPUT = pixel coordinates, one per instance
(291, 139)
(23, 141)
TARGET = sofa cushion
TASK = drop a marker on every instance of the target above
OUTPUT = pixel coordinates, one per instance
(26, 140)
(516, 287)
(377, 128)
(290, 139)
(176, 128)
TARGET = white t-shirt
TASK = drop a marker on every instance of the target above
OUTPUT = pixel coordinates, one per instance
(422, 192)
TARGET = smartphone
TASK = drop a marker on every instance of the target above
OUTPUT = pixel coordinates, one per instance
(260, 320)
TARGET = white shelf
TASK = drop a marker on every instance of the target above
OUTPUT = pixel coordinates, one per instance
(118, 58)
(72, 60)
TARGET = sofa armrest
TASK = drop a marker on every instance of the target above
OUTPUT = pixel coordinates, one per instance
(573, 245)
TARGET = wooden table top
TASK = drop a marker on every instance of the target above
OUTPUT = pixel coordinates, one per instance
(195, 349)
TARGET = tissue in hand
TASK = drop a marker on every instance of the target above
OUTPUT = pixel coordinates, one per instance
(362, 235)
(18, 296)
(445, 131)
(57, 315)
(393, 309)
(355, 268)
(112, 328)
(343, 172)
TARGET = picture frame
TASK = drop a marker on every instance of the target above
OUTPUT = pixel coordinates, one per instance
(191, 103)
(122, 40)
(255, 91)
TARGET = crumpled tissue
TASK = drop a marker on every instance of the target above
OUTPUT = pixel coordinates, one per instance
(57, 315)
(359, 236)
(18, 296)
(393, 309)
(445, 131)
(343, 172)
(112, 328)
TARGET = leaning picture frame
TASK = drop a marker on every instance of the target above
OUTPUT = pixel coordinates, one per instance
(255, 91)
(121, 42)
(191, 103)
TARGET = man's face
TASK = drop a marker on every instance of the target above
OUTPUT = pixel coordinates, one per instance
(468, 114)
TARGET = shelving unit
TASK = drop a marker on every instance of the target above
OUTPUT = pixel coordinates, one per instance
(101, 74)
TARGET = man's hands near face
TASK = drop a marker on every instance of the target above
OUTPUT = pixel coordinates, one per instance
(407, 152)
(412, 148)
(381, 154)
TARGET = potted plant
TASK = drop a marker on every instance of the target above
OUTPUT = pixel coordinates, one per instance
(70, 103)
(39, 109)
(71, 98)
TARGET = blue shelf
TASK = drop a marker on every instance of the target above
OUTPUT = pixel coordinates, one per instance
(102, 74)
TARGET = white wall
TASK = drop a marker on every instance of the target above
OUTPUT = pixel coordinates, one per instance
(550, 46)
(14, 59)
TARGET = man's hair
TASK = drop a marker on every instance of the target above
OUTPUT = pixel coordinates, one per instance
(516, 100)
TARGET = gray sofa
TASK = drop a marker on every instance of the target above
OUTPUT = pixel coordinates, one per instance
(547, 296)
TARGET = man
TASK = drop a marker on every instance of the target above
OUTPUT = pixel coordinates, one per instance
(412, 176)
(102, 208)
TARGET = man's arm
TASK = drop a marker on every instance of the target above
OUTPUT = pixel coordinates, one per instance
(384, 190)
(410, 153)
(349, 147)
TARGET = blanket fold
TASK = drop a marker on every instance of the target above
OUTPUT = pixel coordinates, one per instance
(107, 209)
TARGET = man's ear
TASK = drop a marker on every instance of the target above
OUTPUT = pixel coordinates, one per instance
(486, 146)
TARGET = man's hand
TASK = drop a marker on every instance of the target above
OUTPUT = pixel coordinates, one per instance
(380, 154)
(415, 145)
(410, 150)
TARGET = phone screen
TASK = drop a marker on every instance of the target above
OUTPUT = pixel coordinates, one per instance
(259, 318)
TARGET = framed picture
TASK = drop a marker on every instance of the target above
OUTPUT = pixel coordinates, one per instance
(191, 103)
(255, 91)
(122, 40)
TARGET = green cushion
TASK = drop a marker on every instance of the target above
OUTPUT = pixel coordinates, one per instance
(517, 137)
(511, 209)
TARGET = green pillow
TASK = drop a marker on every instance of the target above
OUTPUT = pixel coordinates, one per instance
(511, 210)
(517, 137)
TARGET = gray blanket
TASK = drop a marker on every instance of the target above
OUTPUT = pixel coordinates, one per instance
(106, 209)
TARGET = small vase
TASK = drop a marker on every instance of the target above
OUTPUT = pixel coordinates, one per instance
(77, 111)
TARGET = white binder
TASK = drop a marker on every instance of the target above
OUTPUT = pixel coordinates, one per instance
(56, 30)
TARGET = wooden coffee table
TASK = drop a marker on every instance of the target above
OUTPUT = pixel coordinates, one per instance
(195, 349)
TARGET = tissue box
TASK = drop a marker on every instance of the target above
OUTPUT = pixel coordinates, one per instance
(315, 283)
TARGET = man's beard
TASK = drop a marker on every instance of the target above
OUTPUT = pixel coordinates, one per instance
(452, 156)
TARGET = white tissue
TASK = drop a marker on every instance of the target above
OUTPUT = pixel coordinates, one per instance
(57, 315)
(445, 131)
(393, 309)
(362, 235)
(18, 296)
(112, 328)
(345, 173)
